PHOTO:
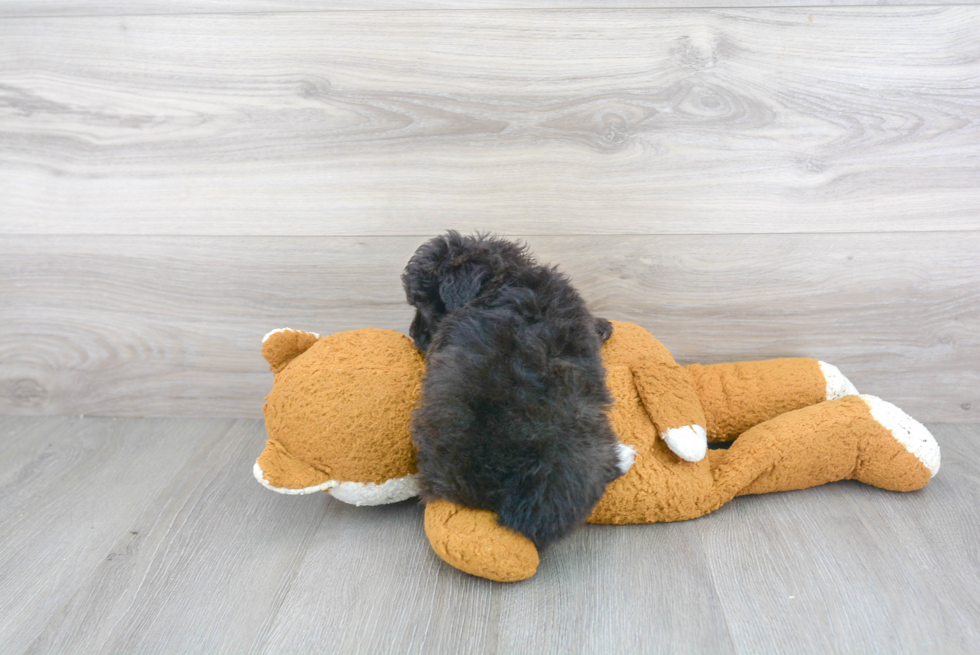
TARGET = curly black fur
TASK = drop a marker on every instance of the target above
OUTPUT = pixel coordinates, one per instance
(513, 413)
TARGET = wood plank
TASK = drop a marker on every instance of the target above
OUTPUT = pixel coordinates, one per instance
(850, 568)
(937, 539)
(673, 121)
(63, 508)
(214, 558)
(21, 445)
(222, 565)
(594, 590)
(172, 325)
(374, 586)
(623, 589)
(33, 8)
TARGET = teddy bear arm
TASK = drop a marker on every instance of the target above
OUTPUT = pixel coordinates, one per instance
(472, 541)
(673, 406)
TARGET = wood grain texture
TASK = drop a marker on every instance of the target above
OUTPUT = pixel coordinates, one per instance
(673, 121)
(644, 588)
(172, 325)
(398, 598)
(582, 601)
(33, 8)
(881, 569)
(72, 489)
(200, 563)
(221, 565)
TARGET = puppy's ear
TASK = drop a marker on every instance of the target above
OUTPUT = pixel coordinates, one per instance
(420, 330)
(421, 275)
(604, 329)
(461, 284)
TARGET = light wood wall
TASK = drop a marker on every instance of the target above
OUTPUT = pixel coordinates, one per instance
(177, 180)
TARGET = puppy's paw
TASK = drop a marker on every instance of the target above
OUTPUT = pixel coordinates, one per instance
(626, 455)
(689, 442)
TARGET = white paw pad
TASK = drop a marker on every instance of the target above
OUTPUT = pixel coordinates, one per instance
(838, 385)
(913, 436)
(689, 442)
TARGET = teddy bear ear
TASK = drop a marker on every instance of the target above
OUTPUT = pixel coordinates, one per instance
(281, 346)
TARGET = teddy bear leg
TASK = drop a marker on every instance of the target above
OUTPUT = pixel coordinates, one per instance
(472, 541)
(855, 437)
(897, 452)
(740, 395)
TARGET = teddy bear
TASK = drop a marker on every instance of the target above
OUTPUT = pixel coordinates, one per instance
(338, 421)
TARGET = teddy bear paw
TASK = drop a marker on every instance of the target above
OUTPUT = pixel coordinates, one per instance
(913, 436)
(472, 541)
(838, 385)
(689, 442)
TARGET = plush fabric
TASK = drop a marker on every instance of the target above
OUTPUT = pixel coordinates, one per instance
(339, 410)
(342, 410)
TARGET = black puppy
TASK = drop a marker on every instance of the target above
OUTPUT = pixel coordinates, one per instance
(513, 414)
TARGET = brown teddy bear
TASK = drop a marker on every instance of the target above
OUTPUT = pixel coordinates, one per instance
(339, 411)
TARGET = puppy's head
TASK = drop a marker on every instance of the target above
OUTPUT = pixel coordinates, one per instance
(448, 271)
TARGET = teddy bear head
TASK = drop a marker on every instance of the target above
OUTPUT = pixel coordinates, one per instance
(338, 415)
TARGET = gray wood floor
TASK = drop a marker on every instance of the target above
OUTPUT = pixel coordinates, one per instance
(150, 535)
(629, 121)
(745, 178)
(33, 8)
(125, 326)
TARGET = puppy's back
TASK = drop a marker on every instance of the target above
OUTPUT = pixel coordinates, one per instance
(513, 417)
